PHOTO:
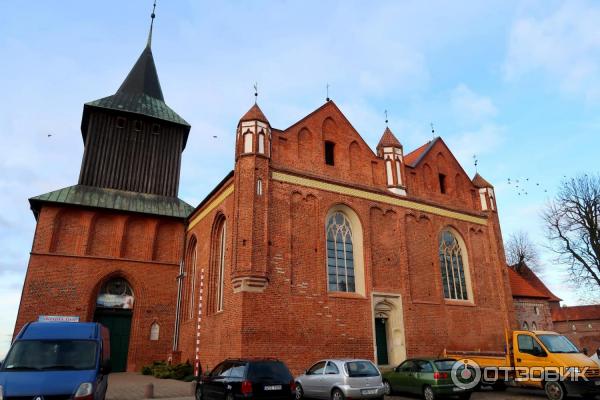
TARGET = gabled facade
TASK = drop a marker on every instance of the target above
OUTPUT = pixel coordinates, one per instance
(315, 246)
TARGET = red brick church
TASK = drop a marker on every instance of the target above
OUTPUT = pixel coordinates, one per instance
(313, 246)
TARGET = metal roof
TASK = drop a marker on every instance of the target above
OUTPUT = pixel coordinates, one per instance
(88, 196)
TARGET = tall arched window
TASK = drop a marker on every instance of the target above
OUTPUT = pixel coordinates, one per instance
(221, 261)
(533, 326)
(455, 278)
(340, 253)
(525, 326)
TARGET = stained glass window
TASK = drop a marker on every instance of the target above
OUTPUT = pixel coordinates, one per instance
(340, 254)
(452, 268)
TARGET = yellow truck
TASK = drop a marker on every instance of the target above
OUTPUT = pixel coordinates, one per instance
(539, 359)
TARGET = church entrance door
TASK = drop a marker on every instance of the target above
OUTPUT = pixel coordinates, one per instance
(114, 310)
(118, 323)
(381, 341)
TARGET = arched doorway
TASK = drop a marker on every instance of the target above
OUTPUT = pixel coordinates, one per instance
(114, 309)
(388, 326)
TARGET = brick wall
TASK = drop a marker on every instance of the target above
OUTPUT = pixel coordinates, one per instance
(296, 318)
(76, 250)
(585, 333)
(533, 311)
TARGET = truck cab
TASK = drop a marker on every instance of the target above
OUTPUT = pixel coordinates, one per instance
(58, 360)
(538, 355)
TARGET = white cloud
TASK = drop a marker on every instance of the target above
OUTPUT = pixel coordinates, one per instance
(564, 45)
(471, 106)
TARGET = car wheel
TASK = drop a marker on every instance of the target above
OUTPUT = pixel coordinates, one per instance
(387, 388)
(428, 393)
(555, 391)
(299, 392)
(198, 392)
(337, 394)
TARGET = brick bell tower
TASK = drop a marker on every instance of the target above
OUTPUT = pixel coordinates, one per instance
(252, 161)
(108, 248)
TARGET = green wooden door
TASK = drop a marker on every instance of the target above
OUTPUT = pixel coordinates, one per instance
(381, 341)
(118, 323)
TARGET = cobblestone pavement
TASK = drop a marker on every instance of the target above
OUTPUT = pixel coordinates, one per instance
(131, 386)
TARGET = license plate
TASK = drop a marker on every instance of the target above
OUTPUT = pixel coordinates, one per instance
(369, 391)
(273, 387)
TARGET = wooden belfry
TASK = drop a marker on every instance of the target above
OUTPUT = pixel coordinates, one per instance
(133, 139)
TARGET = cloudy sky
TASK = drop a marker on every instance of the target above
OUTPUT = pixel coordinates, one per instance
(515, 83)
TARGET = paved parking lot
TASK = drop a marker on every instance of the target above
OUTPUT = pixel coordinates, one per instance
(130, 386)
(509, 394)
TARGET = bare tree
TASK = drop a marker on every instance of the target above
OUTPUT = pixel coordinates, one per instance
(572, 222)
(520, 251)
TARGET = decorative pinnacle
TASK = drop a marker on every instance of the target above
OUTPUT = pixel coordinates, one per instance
(327, 88)
(386, 117)
(255, 92)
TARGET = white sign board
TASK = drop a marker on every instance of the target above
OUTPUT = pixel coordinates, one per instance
(57, 318)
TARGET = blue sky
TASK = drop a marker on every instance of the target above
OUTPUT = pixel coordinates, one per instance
(516, 83)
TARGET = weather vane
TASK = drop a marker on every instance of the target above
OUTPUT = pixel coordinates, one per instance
(152, 16)
(475, 162)
(327, 88)
(255, 92)
(386, 117)
(432, 130)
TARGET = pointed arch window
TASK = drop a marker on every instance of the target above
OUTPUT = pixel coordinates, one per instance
(221, 261)
(248, 142)
(261, 142)
(452, 264)
(340, 254)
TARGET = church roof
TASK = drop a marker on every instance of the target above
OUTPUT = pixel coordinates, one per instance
(413, 158)
(140, 93)
(521, 288)
(87, 196)
(388, 139)
(576, 313)
(531, 277)
(480, 182)
(255, 114)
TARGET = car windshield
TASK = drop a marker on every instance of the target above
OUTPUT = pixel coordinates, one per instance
(269, 371)
(41, 355)
(361, 368)
(558, 344)
(444, 365)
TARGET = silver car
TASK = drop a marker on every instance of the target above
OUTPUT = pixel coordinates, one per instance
(339, 379)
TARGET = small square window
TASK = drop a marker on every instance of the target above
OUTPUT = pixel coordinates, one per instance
(155, 129)
(442, 178)
(138, 125)
(329, 153)
(121, 122)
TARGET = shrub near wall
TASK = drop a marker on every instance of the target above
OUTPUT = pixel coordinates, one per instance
(162, 370)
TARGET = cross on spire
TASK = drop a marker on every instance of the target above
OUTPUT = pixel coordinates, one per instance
(152, 16)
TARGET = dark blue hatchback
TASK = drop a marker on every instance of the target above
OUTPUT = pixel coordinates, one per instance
(56, 361)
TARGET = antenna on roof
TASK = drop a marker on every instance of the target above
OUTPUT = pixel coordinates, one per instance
(476, 161)
(386, 118)
(255, 92)
(152, 16)
(327, 88)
